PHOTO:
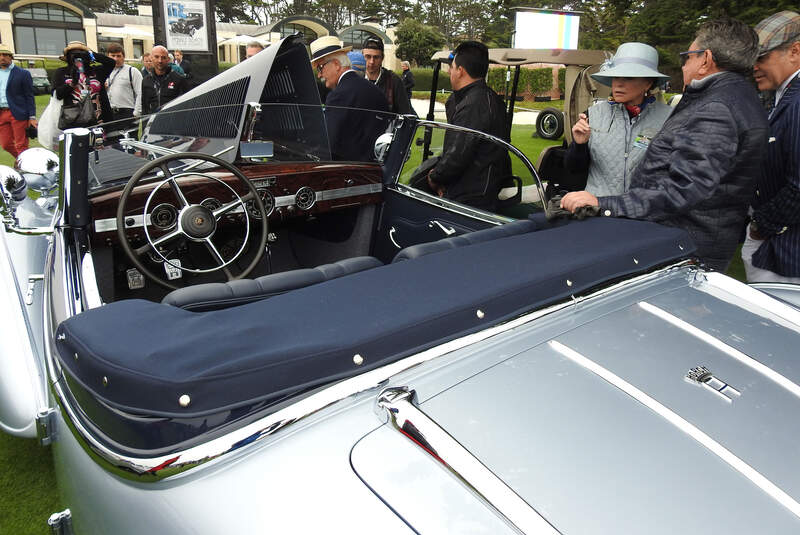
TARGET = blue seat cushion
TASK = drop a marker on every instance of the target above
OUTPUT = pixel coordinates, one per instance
(217, 295)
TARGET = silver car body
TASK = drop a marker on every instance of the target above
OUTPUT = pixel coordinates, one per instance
(654, 402)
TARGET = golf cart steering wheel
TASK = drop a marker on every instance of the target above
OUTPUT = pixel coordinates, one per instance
(195, 222)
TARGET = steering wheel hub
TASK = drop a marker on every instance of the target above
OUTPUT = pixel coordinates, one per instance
(198, 222)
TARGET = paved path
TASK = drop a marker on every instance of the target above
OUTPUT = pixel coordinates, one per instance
(421, 107)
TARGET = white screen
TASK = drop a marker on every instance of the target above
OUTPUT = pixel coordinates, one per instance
(536, 29)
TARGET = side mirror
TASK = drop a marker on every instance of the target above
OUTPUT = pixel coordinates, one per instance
(382, 145)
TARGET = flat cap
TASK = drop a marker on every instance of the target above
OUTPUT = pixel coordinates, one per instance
(776, 30)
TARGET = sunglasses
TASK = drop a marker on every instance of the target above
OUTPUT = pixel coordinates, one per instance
(685, 55)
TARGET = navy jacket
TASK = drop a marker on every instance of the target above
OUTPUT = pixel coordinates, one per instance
(352, 132)
(699, 172)
(19, 94)
(777, 201)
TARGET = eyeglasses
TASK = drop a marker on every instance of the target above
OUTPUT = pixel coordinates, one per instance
(685, 55)
(322, 66)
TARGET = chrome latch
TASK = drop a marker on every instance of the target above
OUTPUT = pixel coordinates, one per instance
(46, 426)
(31, 287)
(702, 376)
(61, 523)
(448, 231)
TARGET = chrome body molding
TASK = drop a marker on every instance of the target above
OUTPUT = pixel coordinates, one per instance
(110, 224)
(398, 406)
(724, 454)
(754, 296)
(150, 469)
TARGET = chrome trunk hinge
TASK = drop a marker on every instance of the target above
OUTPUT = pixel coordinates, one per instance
(61, 523)
(46, 426)
(399, 406)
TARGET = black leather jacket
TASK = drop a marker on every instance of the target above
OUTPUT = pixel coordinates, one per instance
(472, 169)
(158, 90)
(700, 170)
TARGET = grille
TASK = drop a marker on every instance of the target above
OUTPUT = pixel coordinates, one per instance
(214, 114)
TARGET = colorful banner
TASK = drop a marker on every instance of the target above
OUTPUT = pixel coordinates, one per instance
(542, 29)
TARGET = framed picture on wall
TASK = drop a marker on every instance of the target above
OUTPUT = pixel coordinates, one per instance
(186, 25)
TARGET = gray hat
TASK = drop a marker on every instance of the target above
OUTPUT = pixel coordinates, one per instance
(632, 60)
(776, 30)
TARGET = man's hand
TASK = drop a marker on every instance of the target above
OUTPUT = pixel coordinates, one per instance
(581, 130)
(439, 190)
(575, 199)
(33, 122)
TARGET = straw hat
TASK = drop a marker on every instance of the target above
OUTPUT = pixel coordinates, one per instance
(71, 47)
(632, 60)
(325, 46)
(5, 50)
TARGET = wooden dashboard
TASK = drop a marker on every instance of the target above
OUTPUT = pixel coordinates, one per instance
(287, 190)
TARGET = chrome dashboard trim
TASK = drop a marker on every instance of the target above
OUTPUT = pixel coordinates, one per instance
(400, 409)
(110, 224)
(150, 469)
(724, 454)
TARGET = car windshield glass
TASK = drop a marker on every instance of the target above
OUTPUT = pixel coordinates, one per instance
(263, 133)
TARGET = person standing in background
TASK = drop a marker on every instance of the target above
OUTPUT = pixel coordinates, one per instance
(124, 86)
(17, 107)
(408, 78)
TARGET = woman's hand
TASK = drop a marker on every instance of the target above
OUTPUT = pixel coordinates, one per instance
(581, 130)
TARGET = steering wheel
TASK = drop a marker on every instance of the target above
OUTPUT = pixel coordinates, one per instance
(195, 222)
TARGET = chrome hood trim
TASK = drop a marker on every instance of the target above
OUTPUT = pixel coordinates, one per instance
(685, 426)
(156, 468)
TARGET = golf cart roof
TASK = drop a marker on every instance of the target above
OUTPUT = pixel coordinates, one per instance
(524, 56)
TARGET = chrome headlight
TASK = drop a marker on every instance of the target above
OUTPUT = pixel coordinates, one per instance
(39, 167)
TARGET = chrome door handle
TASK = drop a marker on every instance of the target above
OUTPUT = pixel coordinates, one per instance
(448, 231)
(391, 237)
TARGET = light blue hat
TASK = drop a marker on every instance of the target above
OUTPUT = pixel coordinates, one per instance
(357, 61)
(632, 60)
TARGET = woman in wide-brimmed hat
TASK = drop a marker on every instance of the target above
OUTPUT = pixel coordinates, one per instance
(84, 77)
(611, 138)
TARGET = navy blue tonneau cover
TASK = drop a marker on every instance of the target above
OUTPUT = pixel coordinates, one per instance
(151, 354)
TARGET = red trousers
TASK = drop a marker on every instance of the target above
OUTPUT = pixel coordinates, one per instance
(12, 133)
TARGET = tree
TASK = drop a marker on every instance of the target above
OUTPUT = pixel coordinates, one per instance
(417, 42)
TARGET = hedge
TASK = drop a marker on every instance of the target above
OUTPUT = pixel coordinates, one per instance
(532, 81)
(423, 78)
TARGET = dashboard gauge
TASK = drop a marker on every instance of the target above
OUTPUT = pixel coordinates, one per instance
(211, 203)
(164, 216)
(267, 199)
(305, 198)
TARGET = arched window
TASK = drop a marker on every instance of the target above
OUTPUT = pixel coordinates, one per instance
(355, 37)
(289, 28)
(46, 29)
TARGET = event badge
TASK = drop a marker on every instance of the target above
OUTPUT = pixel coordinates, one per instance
(641, 142)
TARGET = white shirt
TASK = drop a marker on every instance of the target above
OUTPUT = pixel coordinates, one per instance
(782, 89)
(125, 88)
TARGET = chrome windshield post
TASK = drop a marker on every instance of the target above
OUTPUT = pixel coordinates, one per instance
(251, 117)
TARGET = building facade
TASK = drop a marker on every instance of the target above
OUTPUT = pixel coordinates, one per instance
(40, 29)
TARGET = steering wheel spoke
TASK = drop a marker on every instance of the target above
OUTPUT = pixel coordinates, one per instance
(219, 258)
(194, 224)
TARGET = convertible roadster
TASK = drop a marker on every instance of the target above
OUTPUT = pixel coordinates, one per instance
(218, 328)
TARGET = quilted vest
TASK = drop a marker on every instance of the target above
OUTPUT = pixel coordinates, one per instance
(617, 145)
